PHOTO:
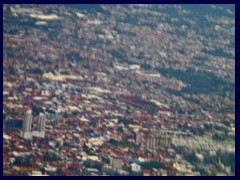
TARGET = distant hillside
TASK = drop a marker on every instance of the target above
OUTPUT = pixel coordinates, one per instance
(88, 7)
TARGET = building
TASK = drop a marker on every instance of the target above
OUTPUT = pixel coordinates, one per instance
(27, 132)
(138, 138)
(116, 162)
(41, 126)
(154, 141)
(135, 167)
(27, 126)
(41, 122)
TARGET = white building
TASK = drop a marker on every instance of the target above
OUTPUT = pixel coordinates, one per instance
(27, 132)
(41, 126)
(27, 126)
(135, 167)
(41, 122)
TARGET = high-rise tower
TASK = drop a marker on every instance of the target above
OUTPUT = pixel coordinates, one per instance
(40, 131)
(41, 123)
(27, 126)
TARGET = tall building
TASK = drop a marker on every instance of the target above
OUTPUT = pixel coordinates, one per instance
(27, 132)
(138, 138)
(40, 132)
(27, 126)
(27, 123)
(41, 122)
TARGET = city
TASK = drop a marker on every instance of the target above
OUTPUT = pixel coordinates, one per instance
(119, 90)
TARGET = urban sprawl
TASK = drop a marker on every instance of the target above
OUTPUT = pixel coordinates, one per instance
(118, 90)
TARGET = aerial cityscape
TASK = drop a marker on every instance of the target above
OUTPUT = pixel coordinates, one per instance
(118, 90)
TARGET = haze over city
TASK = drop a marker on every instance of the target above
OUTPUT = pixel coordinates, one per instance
(118, 90)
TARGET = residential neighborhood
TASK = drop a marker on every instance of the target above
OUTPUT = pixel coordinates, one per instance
(118, 90)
